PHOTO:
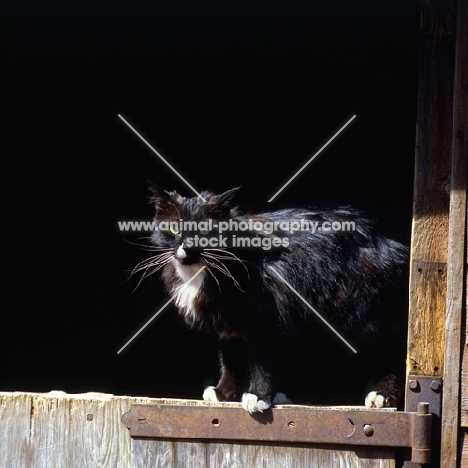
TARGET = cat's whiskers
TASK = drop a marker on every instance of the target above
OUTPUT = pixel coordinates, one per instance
(212, 261)
(212, 274)
(214, 254)
(222, 268)
(214, 251)
(155, 263)
(149, 247)
(213, 258)
(151, 261)
(150, 268)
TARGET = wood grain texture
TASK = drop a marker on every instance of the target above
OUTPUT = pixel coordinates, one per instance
(461, 148)
(464, 368)
(464, 372)
(431, 190)
(456, 250)
(58, 430)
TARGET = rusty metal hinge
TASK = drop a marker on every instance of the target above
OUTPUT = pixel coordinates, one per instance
(426, 388)
(229, 421)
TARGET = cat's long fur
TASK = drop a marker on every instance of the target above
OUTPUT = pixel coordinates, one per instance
(265, 330)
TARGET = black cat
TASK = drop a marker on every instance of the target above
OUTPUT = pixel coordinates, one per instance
(308, 299)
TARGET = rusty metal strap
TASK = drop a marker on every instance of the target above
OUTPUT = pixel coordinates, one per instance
(286, 424)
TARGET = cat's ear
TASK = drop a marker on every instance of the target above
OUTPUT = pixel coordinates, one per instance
(158, 192)
(160, 196)
(223, 203)
(228, 197)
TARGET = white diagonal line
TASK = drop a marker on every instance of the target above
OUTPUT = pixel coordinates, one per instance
(158, 312)
(312, 158)
(161, 157)
(311, 308)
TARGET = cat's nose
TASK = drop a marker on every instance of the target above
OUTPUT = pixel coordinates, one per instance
(181, 253)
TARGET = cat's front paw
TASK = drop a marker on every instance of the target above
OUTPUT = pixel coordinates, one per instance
(253, 404)
(377, 400)
(210, 394)
(386, 394)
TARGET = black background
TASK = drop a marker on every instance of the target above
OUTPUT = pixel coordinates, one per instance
(230, 93)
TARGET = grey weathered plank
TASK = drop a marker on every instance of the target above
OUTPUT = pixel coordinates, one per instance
(58, 430)
(456, 247)
(15, 430)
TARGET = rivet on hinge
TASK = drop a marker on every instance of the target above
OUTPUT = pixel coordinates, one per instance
(413, 385)
(435, 385)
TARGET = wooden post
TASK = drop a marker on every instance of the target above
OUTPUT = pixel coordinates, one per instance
(453, 430)
(456, 249)
(431, 191)
(439, 211)
(438, 198)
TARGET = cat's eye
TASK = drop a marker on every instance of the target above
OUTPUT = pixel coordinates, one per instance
(204, 232)
(174, 230)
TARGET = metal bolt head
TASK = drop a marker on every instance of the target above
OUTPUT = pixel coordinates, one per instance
(435, 385)
(142, 419)
(413, 384)
(368, 430)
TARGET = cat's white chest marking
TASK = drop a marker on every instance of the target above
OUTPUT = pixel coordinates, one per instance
(185, 293)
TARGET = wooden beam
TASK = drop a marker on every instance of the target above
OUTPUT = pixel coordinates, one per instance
(456, 249)
(464, 372)
(439, 210)
(431, 190)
